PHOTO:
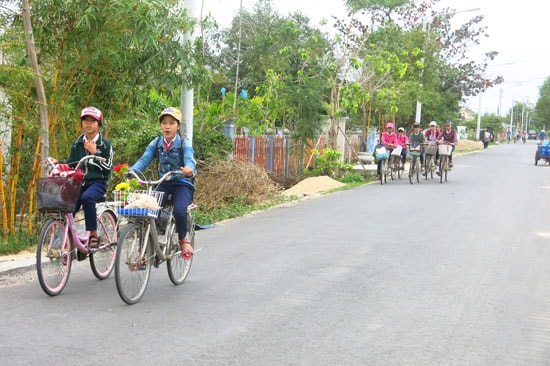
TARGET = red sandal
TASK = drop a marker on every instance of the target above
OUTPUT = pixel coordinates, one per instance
(186, 253)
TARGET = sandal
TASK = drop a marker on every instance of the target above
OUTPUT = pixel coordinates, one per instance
(186, 253)
(93, 241)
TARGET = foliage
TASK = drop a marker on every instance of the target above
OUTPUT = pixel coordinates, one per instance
(352, 178)
(282, 66)
(542, 108)
(328, 163)
(212, 145)
(17, 242)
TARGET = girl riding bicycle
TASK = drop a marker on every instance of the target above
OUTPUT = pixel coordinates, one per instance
(402, 140)
(389, 140)
(96, 173)
(173, 153)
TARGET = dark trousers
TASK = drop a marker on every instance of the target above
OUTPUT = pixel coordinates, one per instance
(89, 195)
(182, 196)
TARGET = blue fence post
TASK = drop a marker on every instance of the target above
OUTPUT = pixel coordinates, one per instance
(251, 139)
(270, 153)
(287, 155)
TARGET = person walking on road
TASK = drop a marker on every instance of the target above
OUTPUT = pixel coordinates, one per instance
(486, 138)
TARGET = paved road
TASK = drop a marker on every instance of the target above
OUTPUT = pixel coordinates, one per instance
(400, 274)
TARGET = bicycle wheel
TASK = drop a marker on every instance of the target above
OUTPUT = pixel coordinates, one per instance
(398, 165)
(391, 168)
(179, 268)
(132, 268)
(103, 261)
(412, 168)
(427, 165)
(383, 168)
(53, 257)
(442, 162)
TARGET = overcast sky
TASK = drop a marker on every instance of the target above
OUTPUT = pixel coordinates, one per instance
(516, 30)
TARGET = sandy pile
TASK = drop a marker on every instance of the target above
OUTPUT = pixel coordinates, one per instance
(313, 185)
(469, 145)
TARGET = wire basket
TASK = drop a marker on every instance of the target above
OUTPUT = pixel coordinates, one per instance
(57, 194)
(445, 149)
(430, 149)
(138, 203)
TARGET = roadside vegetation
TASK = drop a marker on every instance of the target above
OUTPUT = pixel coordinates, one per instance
(265, 72)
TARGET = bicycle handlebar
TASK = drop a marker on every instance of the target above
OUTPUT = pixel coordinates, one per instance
(80, 162)
(153, 182)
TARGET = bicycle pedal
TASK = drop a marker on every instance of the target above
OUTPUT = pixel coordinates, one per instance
(80, 256)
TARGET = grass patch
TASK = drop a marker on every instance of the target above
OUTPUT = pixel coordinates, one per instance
(17, 242)
(237, 209)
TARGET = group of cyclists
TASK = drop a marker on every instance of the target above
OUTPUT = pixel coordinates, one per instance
(520, 135)
(417, 139)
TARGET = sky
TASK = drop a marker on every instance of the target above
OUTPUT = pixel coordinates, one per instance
(516, 31)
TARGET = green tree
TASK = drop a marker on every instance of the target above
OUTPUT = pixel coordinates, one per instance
(542, 108)
(281, 62)
(106, 53)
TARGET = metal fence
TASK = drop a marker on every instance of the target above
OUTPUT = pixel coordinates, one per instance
(280, 156)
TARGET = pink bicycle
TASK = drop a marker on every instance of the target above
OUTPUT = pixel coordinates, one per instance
(59, 243)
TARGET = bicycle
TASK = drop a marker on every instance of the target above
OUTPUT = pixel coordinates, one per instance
(430, 151)
(395, 164)
(382, 154)
(445, 150)
(59, 242)
(414, 167)
(139, 244)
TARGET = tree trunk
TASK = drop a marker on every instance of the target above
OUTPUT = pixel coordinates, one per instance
(44, 151)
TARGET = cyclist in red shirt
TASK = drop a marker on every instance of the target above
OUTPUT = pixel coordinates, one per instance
(448, 135)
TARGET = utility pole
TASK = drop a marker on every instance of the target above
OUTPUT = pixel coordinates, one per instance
(238, 57)
(187, 89)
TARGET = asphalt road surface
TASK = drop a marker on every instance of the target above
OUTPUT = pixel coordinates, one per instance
(427, 274)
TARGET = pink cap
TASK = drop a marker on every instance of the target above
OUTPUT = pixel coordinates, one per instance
(389, 125)
(92, 112)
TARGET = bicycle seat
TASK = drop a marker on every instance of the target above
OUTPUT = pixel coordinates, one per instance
(102, 199)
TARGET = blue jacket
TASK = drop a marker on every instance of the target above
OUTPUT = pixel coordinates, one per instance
(168, 160)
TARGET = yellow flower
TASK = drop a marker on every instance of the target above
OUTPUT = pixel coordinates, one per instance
(124, 186)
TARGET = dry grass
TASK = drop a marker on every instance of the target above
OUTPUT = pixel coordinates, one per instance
(221, 183)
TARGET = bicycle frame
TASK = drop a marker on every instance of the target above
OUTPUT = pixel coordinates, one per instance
(81, 242)
(149, 224)
(59, 241)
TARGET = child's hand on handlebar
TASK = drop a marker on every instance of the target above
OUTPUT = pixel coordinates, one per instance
(187, 172)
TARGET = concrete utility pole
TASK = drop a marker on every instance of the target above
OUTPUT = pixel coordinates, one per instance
(238, 57)
(187, 92)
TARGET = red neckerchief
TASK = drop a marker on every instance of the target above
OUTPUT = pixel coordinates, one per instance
(168, 145)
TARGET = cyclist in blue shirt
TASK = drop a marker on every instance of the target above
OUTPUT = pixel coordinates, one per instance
(173, 153)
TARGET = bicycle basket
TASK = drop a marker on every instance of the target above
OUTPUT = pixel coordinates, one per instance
(430, 149)
(57, 194)
(381, 153)
(138, 203)
(445, 149)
